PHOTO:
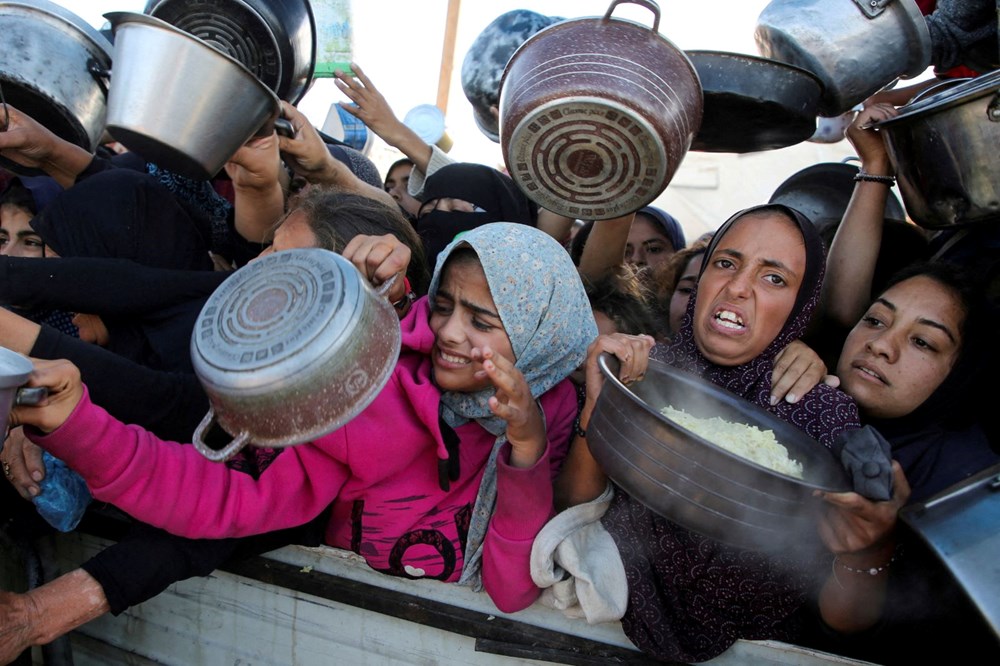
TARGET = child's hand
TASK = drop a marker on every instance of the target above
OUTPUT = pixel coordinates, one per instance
(514, 404)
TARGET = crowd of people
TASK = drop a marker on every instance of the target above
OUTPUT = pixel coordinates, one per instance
(478, 443)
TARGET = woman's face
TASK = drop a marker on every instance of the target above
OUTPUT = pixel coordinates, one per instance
(748, 288)
(682, 293)
(293, 233)
(464, 317)
(397, 184)
(903, 348)
(647, 245)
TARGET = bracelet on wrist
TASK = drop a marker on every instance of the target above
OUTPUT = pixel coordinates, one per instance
(870, 571)
(864, 176)
(579, 430)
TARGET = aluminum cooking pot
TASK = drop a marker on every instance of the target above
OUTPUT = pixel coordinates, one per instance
(696, 484)
(855, 47)
(179, 102)
(596, 114)
(944, 149)
(51, 70)
(289, 348)
(961, 525)
(274, 39)
(14, 371)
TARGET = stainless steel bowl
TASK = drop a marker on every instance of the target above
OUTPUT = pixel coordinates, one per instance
(695, 483)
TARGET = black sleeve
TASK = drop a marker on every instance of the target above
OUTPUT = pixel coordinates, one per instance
(169, 404)
(101, 286)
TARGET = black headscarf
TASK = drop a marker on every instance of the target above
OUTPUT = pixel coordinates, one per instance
(941, 442)
(484, 187)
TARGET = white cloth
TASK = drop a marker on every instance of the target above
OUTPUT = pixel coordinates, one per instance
(576, 563)
(418, 179)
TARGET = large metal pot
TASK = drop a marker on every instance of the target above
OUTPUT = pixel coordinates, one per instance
(179, 102)
(274, 39)
(961, 525)
(944, 149)
(695, 483)
(50, 57)
(855, 47)
(596, 114)
(289, 348)
(753, 103)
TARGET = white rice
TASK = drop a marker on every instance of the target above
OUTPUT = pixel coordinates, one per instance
(746, 441)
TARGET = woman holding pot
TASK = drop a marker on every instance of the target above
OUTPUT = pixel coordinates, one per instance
(690, 597)
(457, 426)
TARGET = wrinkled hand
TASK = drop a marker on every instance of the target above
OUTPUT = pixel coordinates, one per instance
(257, 164)
(24, 460)
(379, 258)
(62, 379)
(868, 142)
(797, 370)
(305, 151)
(514, 404)
(369, 104)
(852, 523)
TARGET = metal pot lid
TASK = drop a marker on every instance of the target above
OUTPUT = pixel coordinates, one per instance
(275, 316)
(753, 103)
(951, 96)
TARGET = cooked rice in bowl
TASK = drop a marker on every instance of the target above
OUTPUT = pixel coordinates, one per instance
(746, 441)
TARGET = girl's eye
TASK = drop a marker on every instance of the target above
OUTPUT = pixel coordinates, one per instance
(923, 344)
(871, 321)
(686, 291)
(655, 249)
(441, 308)
(33, 242)
(481, 325)
(724, 263)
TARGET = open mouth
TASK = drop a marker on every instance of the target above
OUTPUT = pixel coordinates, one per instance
(870, 373)
(453, 360)
(729, 319)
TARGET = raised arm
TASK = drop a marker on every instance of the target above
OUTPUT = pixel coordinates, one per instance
(30, 144)
(605, 248)
(370, 107)
(308, 156)
(850, 264)
(255, 170)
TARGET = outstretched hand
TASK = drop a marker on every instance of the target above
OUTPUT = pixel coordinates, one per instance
(853, 523)
(369, 105)
(797, 370)
(514, 404)
(868, 141)
(29, 143)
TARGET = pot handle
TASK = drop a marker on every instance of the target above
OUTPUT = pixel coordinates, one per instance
(217, 455)
(100, 73)
(648, 4)
(30, 396)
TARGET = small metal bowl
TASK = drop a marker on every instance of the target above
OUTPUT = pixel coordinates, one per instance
(695, 483)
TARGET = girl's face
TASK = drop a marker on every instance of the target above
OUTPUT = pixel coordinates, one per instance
(647, 245)
(903, 348)
(464, 317)
(748, 288)
(397, 184)
(682, 293)
(17, 238)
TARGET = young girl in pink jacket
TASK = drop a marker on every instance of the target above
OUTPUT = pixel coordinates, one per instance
(447, 474)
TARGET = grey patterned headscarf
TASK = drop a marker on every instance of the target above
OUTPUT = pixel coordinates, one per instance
(547, 316)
